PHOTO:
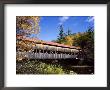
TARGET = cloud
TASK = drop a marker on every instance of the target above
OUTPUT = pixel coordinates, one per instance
(90, 19)
(63, 19)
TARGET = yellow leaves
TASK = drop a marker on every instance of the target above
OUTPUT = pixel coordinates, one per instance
(28, 24)
(69, 40)
(25, 27)
(24, 45)
(78, 35)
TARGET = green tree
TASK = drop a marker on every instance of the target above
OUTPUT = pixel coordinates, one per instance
(69, 32)
(61, 35)
(86, 42)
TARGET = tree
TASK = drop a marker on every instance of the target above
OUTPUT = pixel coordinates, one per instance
(26, 25)
(61, 35)
(69, 40)
(86, 42)
(69, 32)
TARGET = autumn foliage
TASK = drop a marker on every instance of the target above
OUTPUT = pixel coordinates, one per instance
(26, 25)
(84, 40)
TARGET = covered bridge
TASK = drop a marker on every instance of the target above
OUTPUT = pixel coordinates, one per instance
(38, 49)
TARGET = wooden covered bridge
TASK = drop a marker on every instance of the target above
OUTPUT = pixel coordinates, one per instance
(37, 49)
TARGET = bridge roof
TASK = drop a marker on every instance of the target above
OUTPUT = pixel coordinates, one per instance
(36, 40)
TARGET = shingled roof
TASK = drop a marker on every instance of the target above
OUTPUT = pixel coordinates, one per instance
(36, 40)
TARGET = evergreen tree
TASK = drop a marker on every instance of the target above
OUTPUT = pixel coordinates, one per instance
(69, 32)
(61, 34)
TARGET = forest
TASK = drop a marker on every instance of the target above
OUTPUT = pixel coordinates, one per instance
(28, 25)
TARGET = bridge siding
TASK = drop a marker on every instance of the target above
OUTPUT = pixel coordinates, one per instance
(40, 55)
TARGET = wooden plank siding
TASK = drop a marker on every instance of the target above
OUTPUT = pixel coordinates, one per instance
(46, 50)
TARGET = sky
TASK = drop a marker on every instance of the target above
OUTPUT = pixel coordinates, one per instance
(49, 25)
